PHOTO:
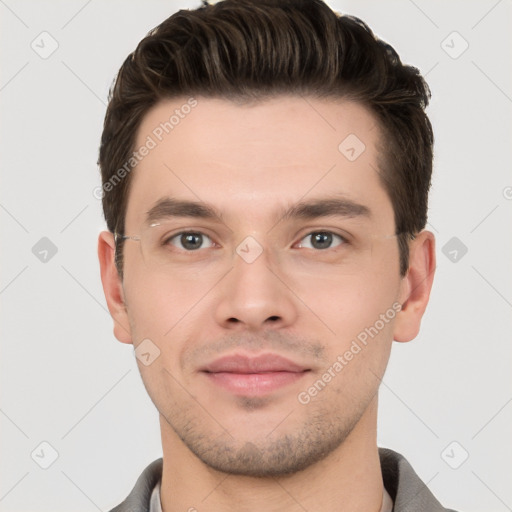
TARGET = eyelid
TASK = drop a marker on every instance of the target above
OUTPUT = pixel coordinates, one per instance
(344, 239)
(176, 236)
(304, 232)
(172, 229)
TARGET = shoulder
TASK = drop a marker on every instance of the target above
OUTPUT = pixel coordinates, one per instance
(408, 491)
(139, 498)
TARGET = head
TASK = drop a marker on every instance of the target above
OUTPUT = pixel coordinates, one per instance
(248, 51)
(270, 120)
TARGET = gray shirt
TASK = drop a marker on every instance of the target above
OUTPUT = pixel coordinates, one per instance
(403, 488)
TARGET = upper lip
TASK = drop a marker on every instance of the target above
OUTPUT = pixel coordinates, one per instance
(239, 363)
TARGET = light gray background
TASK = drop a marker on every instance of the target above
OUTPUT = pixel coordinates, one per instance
(67, 381)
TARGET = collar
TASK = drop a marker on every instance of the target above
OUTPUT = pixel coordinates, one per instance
(406, 489)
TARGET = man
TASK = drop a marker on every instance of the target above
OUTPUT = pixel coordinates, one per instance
(266, 167)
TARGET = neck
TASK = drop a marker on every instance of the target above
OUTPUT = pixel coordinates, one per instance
(349, 478)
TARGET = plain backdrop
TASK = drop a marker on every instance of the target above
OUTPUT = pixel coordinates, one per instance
(445, 401)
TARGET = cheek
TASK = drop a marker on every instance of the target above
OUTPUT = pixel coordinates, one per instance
(161, 311)
(360, 313)
(348, 304)
(352, 295)
(173, 314)
(157, 304)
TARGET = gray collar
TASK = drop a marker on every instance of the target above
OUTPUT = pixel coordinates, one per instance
(407, 491)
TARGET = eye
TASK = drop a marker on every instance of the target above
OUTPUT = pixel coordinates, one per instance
(321, 240)
(190, 241)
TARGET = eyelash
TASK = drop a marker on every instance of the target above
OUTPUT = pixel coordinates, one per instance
(181, 233)
(334, 235)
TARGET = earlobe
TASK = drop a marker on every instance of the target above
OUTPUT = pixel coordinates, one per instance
(112, 287)
(416, 286)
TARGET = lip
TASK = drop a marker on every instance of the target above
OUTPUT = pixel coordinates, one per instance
(243, 375)
(265, 363)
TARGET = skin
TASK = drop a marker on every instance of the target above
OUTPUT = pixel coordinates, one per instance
(225, 451)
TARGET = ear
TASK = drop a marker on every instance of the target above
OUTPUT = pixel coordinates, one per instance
(113, 287)
(416, 286)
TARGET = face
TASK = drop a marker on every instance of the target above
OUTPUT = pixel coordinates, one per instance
(267, 277)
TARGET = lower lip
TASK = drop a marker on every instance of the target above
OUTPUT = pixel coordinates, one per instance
(254, 384)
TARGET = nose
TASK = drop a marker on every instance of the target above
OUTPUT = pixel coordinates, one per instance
(254, 296)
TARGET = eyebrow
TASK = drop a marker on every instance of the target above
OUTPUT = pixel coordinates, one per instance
(315, 208)
(170, 207)
(306, 210)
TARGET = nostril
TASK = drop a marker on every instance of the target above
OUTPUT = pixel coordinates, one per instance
(274, 318)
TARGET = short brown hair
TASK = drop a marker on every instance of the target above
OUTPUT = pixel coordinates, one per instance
(251, 50)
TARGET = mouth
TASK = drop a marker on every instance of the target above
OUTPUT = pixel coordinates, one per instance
(253, 376)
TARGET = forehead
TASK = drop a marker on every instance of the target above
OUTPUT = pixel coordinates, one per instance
(249, 158)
